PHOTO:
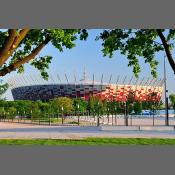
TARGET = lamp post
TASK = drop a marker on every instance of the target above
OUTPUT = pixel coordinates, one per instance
(153, 112)
(126, 117)
(108, 114)
(78, 106)
(132, 105)
(98, 119)
(115, 115)
(62, 109)
(24, 116)
(58, 116)
(31, 116)
(166, 98)
(18, 116)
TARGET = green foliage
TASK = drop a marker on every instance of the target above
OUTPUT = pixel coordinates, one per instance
(137, 107)
(172, 100)
(82, 104)
(95, 106)
(134, 43)
(11, 112)
(3, 89)
(42, 64)
(60, 38)
(64, 103)
(53, 108)
(2, 111)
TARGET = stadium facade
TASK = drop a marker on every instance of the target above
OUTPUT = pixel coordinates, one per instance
(32, 88)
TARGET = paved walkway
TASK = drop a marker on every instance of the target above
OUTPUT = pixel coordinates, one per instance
(26, 131)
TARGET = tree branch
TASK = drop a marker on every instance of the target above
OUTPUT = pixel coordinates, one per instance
(26, 59)
(167, 49)
(16, 41)
(7, 45)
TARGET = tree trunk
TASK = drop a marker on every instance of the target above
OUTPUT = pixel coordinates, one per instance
(167, 49)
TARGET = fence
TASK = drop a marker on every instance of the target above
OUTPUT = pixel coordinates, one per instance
(87, 120)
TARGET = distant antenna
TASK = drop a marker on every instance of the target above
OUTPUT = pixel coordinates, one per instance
(52, 79)
(84, 73)
(66, 78)
(154, 82)
(33, 81)
(118, 77)
(147, 81)
(110, 79)
(142, 81)
(149, 84)
(75, 79)
(130, 80)
(124, 79)
(101, 81)
(58, 77)
(93, 84)
(136, 81)
(84, 76)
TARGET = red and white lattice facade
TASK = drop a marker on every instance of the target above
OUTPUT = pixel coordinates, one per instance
(140, 93)
(33, 88)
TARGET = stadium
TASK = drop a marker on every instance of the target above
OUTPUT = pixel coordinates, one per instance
(35, 88)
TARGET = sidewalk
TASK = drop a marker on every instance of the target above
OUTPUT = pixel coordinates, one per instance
(24, 131)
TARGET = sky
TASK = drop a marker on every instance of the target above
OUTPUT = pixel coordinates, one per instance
(88, 54)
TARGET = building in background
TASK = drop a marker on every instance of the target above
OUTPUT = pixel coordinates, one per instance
(35, 88)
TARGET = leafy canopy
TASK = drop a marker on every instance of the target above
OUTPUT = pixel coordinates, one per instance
(172, 100)
(3, 89)
(137, 43)
(20, 46)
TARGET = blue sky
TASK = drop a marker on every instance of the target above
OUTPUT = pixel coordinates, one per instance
(88, 54)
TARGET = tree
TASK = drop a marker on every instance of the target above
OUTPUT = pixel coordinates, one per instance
(82, 104)
(11, 111)
(2, 112)
(90, 105)
(21, 46)
(3, 89)
(137, 107)
(172, 99)
(23, 107)
(64, 103)
(136, 43)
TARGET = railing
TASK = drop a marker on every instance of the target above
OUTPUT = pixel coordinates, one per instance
(116, 120)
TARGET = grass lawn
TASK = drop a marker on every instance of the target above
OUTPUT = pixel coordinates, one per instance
(89, 141)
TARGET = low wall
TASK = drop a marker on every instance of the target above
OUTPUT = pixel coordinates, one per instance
(137, 128)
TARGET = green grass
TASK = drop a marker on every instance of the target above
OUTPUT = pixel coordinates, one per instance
(89, 141)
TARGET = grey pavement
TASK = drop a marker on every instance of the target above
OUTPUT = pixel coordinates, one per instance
(26, 131)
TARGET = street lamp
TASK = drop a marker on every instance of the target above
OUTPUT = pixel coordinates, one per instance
(115, 115)
(108, 114)
(24, 116)
(31, 116)
(18, 116)
(153, 112)
(78, 106)
(132, 105)
(58, 116)
(126, 117)
(98, 119)
(166, 98)
(62, 109)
